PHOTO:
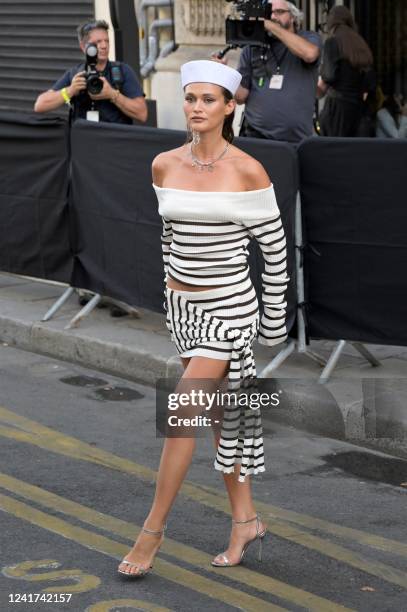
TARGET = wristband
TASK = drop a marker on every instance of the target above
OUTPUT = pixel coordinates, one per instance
(64, 94)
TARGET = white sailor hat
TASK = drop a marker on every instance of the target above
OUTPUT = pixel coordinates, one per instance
(209, 71)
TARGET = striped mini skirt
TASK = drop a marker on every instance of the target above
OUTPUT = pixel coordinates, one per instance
(222, 323)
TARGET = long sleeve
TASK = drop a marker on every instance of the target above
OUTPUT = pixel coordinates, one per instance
(166, 239)
(386, 126)
(271, 238)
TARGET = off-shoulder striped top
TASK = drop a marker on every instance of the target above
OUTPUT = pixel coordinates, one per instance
(205, 243)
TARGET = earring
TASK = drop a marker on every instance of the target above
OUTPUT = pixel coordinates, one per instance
(195, 138)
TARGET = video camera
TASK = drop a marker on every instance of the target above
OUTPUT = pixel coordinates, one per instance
(245, 25)
(94, 83)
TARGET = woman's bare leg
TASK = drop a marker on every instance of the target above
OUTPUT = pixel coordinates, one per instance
(175, 460)
(242, 506)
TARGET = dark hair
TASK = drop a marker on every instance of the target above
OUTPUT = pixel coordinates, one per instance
(85, 29)
(227, 129)
(342, 27)
(393, 107)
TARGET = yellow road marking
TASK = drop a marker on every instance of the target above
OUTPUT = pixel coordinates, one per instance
(50, 439)
(54, 440)
(169, 571)
(83, 582)
(57, 442)
(135, 604)
(189, 554)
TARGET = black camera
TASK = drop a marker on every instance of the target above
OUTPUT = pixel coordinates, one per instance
(246, 26)
(94, 83)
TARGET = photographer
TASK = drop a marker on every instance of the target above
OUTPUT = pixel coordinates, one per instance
(121, 98)
(279, 79)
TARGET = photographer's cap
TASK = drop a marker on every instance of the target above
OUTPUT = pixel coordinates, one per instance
(209, 71)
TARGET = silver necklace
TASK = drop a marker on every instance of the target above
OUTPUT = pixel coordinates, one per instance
(197, 163)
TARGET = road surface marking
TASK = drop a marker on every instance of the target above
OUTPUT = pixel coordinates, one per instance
(130, 604)
(171, 547)
(169, 571)
(82, 582)
(32, 432)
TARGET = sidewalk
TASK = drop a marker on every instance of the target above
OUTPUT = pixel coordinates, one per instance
(360, 403)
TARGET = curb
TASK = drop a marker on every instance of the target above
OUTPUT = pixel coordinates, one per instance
(306, 405)
(302, 408)
(113, 358)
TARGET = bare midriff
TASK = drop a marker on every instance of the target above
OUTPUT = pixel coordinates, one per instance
(173, 284)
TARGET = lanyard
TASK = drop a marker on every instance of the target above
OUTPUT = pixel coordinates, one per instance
(280, 59)
(266, 66)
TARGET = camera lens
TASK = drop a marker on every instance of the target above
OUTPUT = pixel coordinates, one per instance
(94, 84)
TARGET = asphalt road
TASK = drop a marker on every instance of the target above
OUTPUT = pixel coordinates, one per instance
(78, 455)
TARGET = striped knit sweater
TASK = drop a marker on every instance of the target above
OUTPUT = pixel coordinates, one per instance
(205, 238)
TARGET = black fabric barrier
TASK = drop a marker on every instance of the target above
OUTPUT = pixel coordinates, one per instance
(117, 226)
(34, 229)
(353, 197)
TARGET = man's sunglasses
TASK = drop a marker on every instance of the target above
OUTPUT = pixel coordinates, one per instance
(280, 12)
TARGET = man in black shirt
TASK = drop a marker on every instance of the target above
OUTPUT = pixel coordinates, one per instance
(112, 104)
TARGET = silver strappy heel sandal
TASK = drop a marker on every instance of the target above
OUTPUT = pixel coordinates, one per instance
(142, 571)
(259, 536)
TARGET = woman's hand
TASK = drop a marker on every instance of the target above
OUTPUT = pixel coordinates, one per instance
(322, 88)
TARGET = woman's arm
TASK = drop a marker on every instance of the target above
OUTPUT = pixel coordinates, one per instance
(269, 234)
(322, 88)
(252, 173)
(166, 240)
(386, 124)
(403, 125)
(158, 169)
(330, 58)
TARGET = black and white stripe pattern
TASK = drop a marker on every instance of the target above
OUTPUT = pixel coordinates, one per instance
(205, 243)
(208, 249)
(213, 323)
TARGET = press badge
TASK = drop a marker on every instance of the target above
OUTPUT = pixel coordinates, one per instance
(92, 115)
(276, 81)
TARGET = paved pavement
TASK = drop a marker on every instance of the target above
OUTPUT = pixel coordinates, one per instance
(78, 460)
(360, 403)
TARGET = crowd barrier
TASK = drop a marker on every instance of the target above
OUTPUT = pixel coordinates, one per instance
(354, 219)
(34, 179)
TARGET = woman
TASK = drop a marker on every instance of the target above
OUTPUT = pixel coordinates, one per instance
(391, 119)
(213, 198)
(347, 76)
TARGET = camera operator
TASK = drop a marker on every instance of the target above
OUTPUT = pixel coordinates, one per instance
(280, 79)
(121, 98)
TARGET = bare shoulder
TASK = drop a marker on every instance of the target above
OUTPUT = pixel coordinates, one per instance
(251, 171)
(163, 162)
